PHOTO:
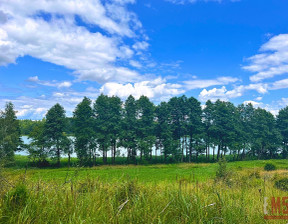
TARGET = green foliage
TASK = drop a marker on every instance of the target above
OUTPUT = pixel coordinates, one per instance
(282, 125)
(222, 172)
(17, 197)
(282, 184)
(9, 133)
(54, 130)
(269, 167)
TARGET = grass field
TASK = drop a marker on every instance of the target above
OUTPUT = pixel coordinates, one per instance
(176, 193)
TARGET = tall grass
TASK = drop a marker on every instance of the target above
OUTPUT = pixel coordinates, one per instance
(182, 199)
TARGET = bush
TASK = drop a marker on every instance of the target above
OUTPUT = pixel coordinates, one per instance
(282, 184)
(269, 167)
(222, 173)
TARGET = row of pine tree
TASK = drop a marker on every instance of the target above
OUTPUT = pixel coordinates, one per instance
(179, 130)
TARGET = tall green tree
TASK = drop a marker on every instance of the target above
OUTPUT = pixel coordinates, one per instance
(129, 128)
(208, 112)
(179, 117)
(54, 130)
(101, 114)
(282, 125)
(145, 130)
(266, 137)
(194, 126)
(9, 133)
(223, 125)
(114, 123)
(164, 130)
(246, 113)
(38, 148)
(85, 136)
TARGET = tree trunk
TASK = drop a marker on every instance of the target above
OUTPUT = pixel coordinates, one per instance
(190, 148)
(218, 153)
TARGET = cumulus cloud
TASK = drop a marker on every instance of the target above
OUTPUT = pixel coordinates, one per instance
(225, 95)
(157, 89)
(48, 30)
(272, 61)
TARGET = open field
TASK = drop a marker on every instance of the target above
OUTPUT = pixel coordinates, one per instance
(175, 193)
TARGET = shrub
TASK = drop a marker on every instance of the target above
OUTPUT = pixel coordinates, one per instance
(282, 184)
(222, 172)
(269, 167)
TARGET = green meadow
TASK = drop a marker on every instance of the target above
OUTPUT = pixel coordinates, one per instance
(160, 193)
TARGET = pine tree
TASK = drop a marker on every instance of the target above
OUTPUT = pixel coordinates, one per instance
(10, 134)
(83, 126)
(54, 130)
(282, 125)
(101, 114)
(145, 127)
(129, 127)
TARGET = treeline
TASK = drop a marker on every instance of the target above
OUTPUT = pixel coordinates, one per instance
(179, 130)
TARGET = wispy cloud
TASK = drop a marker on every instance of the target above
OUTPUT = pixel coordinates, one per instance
(272, 62)
(204, 83)
(64, 84)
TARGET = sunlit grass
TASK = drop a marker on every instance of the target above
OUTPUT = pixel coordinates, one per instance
(175, 193)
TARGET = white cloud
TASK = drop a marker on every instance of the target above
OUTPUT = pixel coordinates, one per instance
(65, 84)
(281, 84)
(272, 62)
(157, 89)
(225, 95)
(254, 103)
(202, 83)
(57, 38)
(140, 45)
(135, 64)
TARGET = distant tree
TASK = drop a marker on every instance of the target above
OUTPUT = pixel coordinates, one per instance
(266, 137)
(208, 127)
(129, 127)
(223, 125)
(194, 126)
(114, 123)
(38, 148)
(26, 126)
(101, 114)
(54, 130)
(83, 126)
(246, 113)
(145, 127)
(179, 111)
(164, 130)
(10, 140)
(67, 144)
(282, 125)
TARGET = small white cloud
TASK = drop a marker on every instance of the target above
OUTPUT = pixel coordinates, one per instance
(65, 84)
(255, 104)
(156, 89)
(202, 83)
(281, 84)
(140, 46)
(135, 64)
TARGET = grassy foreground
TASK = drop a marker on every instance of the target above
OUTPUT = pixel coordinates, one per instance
(178, 193)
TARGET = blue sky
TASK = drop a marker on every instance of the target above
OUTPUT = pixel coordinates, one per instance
(63, 50)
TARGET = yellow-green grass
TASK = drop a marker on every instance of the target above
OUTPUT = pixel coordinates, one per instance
(178, 193)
